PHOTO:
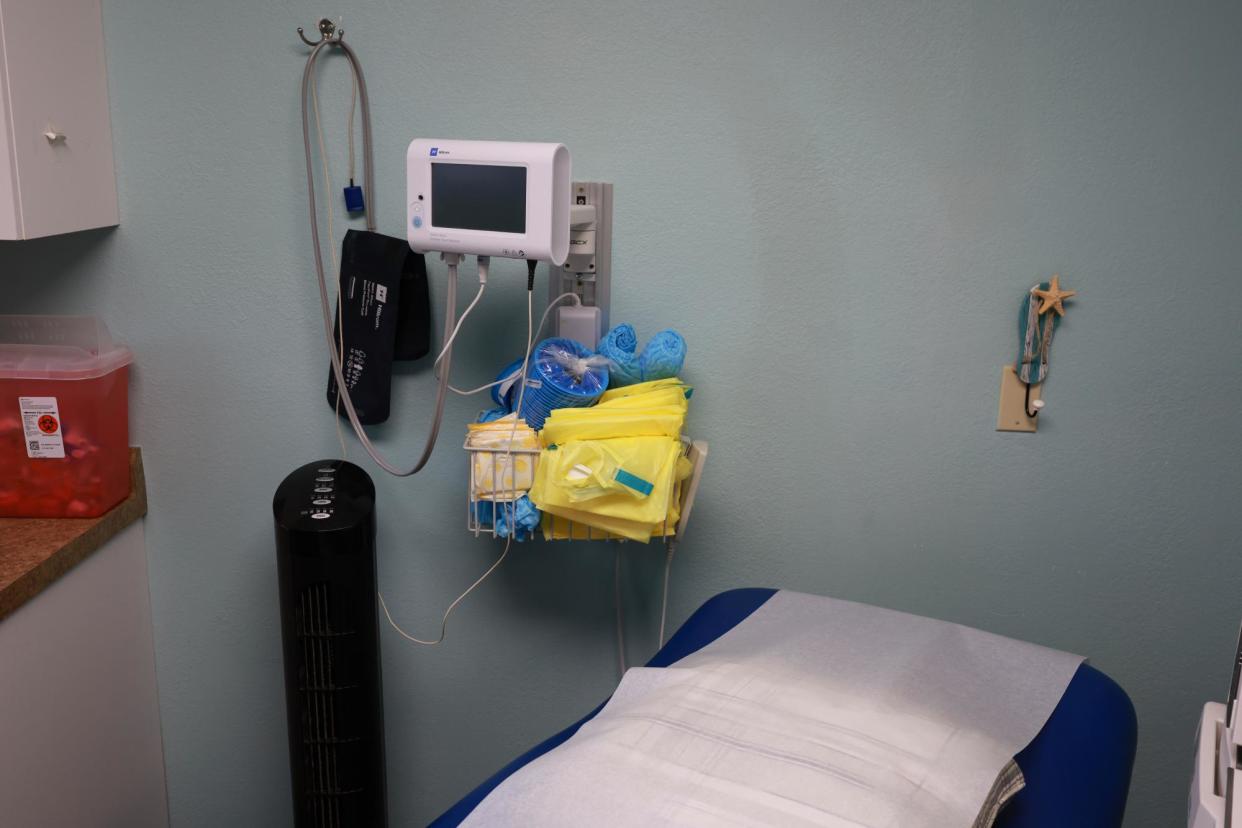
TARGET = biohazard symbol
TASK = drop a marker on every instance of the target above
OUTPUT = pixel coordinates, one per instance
(48, 424)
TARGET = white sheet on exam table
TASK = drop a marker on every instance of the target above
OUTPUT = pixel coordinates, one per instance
(812, 711)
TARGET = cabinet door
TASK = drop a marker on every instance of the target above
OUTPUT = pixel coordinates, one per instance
(8, 186)
(54, 68)
(80, 710)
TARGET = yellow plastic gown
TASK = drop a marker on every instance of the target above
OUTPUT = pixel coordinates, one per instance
(616, 466)
(572, 524)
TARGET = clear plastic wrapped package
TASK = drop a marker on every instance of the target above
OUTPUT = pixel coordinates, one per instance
(563, 373)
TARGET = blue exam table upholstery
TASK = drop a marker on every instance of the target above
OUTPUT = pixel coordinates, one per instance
(1077, 769)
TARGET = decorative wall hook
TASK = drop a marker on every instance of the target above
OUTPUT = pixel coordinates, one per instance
(329, 32)
(1022, 381)
(1038, 320)
(1037, 329)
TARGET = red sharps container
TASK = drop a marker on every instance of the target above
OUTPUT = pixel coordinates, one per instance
(64, 417)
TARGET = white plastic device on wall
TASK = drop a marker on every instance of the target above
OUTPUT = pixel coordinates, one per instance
(488, 198)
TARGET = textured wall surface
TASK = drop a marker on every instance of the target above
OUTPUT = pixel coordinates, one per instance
(839, 204)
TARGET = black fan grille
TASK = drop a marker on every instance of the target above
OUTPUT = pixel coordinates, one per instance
(332, 736)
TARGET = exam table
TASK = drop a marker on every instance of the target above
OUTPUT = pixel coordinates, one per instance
(1077, 769)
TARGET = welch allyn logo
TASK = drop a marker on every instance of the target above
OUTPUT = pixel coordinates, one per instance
(435, 151)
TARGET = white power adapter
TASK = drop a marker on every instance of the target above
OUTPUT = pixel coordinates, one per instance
(581, 323)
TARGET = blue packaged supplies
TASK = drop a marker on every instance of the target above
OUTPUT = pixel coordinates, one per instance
(492, 414)
(662, 358)
(562, 374)
(520, 517)
(620, 346)
(506, 381)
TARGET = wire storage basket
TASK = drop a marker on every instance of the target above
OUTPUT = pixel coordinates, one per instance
(488, 469)
(493, 488)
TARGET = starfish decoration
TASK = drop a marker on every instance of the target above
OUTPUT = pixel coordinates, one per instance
(1051, 298)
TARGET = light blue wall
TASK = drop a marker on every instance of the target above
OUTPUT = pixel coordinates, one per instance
(839, 204)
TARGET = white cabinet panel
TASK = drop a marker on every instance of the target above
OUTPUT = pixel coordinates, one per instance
(53, 81)
(80, 741)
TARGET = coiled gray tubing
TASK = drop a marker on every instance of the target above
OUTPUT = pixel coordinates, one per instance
(450, 293)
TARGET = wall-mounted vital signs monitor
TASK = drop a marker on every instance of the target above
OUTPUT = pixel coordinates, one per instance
(488, 198)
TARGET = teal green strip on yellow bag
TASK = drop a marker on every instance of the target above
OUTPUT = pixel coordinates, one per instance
(643, 487)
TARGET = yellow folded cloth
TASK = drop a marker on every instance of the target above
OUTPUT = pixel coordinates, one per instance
(571, 524)
(612, 395)
(614, 467)
(638, 473)
(602, 424)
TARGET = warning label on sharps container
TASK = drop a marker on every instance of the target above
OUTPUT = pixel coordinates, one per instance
(41, 423)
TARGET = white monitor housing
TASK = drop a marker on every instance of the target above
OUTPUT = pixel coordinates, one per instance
(488, 198)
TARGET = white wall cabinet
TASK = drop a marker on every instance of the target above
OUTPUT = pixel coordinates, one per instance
(56, 172)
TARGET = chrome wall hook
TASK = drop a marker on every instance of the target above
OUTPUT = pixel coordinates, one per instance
(329, 32)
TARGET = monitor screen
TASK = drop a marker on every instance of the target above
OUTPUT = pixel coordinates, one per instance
(479, 197)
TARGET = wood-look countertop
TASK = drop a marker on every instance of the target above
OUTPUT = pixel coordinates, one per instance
(34, 552)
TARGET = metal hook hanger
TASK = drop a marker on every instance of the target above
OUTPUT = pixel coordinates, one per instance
(328, 33)
(1039, 404)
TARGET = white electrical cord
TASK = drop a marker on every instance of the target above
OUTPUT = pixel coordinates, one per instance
(452, 606)
(448, 343)
(327, 177)
(530, 315)
(369, 187)
(616, 600)
(538, 332)
(517, 412)
(451, 326)
(670, 547)
(353, 104)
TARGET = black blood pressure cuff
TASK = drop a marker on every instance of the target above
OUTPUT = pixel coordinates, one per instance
(414, 320)
(384, 314)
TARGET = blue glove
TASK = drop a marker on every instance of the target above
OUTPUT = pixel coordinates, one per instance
(523, 513)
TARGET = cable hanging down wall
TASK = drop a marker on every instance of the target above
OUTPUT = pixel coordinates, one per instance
(331, 36)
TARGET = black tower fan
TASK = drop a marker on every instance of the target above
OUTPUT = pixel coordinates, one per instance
(325, 555)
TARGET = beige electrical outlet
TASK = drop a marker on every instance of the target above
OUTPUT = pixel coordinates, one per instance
(1012, 415)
